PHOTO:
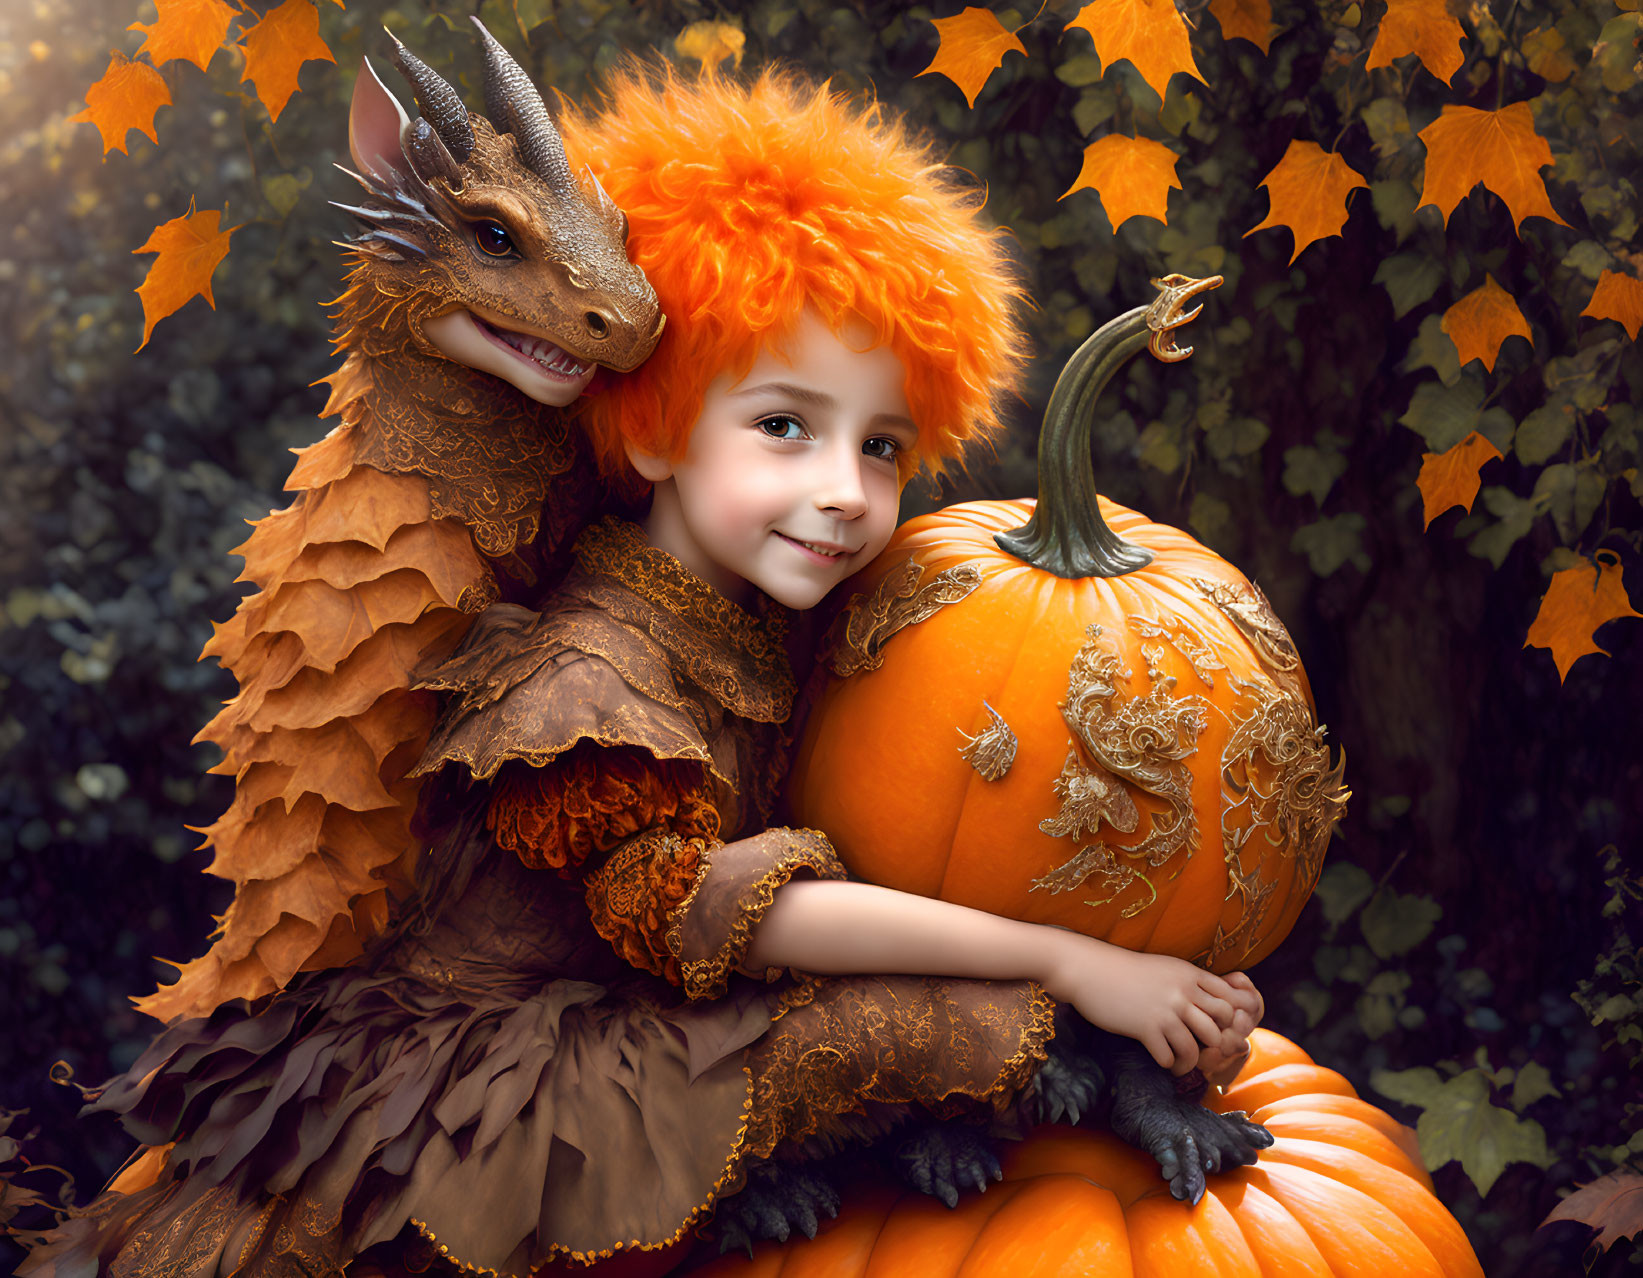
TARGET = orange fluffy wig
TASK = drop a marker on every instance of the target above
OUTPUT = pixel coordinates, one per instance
(746, 203)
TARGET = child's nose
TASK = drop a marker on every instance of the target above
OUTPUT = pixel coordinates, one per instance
(840, 489)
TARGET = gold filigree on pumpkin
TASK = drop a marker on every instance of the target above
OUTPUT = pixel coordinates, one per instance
(1194, 650)
(992, 750)
(1257, 893)
(1247, 608)
(855, 642)
(1142, 740)
(1112, 877)
(1276, 768)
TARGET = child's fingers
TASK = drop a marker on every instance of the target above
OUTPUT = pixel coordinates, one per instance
(1218, 987)
(1219, 1009)
(1204, 1027)
(1245, 995)
(1158, 1048)
(1184, 1045)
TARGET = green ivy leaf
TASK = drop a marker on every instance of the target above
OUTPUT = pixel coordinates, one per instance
(1236, 437)
(1533, 1082)
(1434, 349)
(1542, 434)
(1381, 1001)
(1410, 279)
(1210, 517)
(1310, 471)
(1572, 494)
(1079, 71)
(1095, 106)
(1514, 516)
(1461, 1123)
(1328, 544)
(1342, 888)
(1394, 923)
(1395, 202)
(1160, 447)
(1313, 1002)
(1388, 125)
(1445, 415)
(1418, 1087)
(1590, 258)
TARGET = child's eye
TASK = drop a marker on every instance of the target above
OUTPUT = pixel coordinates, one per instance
(781, 426)
(882, 447)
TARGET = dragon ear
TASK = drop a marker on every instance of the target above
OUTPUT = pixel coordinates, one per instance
(374, 123)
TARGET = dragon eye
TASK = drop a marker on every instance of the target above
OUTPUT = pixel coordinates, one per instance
(493, 239)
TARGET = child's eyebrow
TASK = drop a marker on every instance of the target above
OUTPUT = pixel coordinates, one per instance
(804, 394)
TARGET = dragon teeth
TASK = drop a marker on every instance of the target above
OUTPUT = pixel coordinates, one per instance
(553, 358)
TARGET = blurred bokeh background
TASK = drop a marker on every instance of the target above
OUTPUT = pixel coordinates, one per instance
(1486, 872)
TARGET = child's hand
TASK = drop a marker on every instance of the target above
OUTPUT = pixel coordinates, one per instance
(1169, 1006)
(1221, 1061)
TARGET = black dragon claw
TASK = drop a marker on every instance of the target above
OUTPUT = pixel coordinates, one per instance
(778, 1200)
(944, 1159)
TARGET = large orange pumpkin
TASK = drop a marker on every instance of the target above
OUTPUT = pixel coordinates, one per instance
(1091, 721)
(1341, 1193)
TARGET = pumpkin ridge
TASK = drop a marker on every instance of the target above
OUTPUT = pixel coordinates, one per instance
(975, 779)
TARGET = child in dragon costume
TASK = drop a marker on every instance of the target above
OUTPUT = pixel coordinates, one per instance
(616, 996)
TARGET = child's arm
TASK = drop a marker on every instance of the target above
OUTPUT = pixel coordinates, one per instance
(1171, 1007)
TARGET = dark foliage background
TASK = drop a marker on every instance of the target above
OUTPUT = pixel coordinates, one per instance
(1473, 887)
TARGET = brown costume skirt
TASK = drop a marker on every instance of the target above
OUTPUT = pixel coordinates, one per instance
(575, 1119)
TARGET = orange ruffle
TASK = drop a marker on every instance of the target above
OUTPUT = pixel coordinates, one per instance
(592, 798)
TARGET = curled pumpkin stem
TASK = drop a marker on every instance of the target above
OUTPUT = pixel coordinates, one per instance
(1066, 535)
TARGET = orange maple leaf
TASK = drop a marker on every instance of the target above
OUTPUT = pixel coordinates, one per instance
(1132, 177)
(710, 43)
(126, 98)
(972, 46)
(1612, 1204)
(277, 46)
(1451, 478)
(190, 248)
(188, 29)
(1152, 34)
(1579, 600)
(1422, 27)
(1620, 298)
(1482, 320)
(1245, 20)
(1466, 146)
(1308, 189)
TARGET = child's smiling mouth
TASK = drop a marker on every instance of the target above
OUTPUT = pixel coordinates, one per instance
(821, 551)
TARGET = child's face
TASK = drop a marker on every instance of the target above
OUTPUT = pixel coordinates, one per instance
(789, 482)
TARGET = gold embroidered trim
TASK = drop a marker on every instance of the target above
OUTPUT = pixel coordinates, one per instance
(992, 750)
(709, 977)
(1018, 1070)
(737, 657)
(856, 639)
(1142, 740)
(731, 1175)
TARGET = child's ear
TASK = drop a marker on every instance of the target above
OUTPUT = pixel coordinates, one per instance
(652, 468)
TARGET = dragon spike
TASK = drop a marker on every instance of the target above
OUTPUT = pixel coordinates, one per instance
(514, 105)
(429, 155)
(439, 103)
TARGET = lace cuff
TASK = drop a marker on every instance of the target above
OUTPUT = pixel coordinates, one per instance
(633, 896)
(841, 1046)
(712, 927)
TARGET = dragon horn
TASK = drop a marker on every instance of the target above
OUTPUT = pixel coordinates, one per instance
(514, 105)
(439, 103)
